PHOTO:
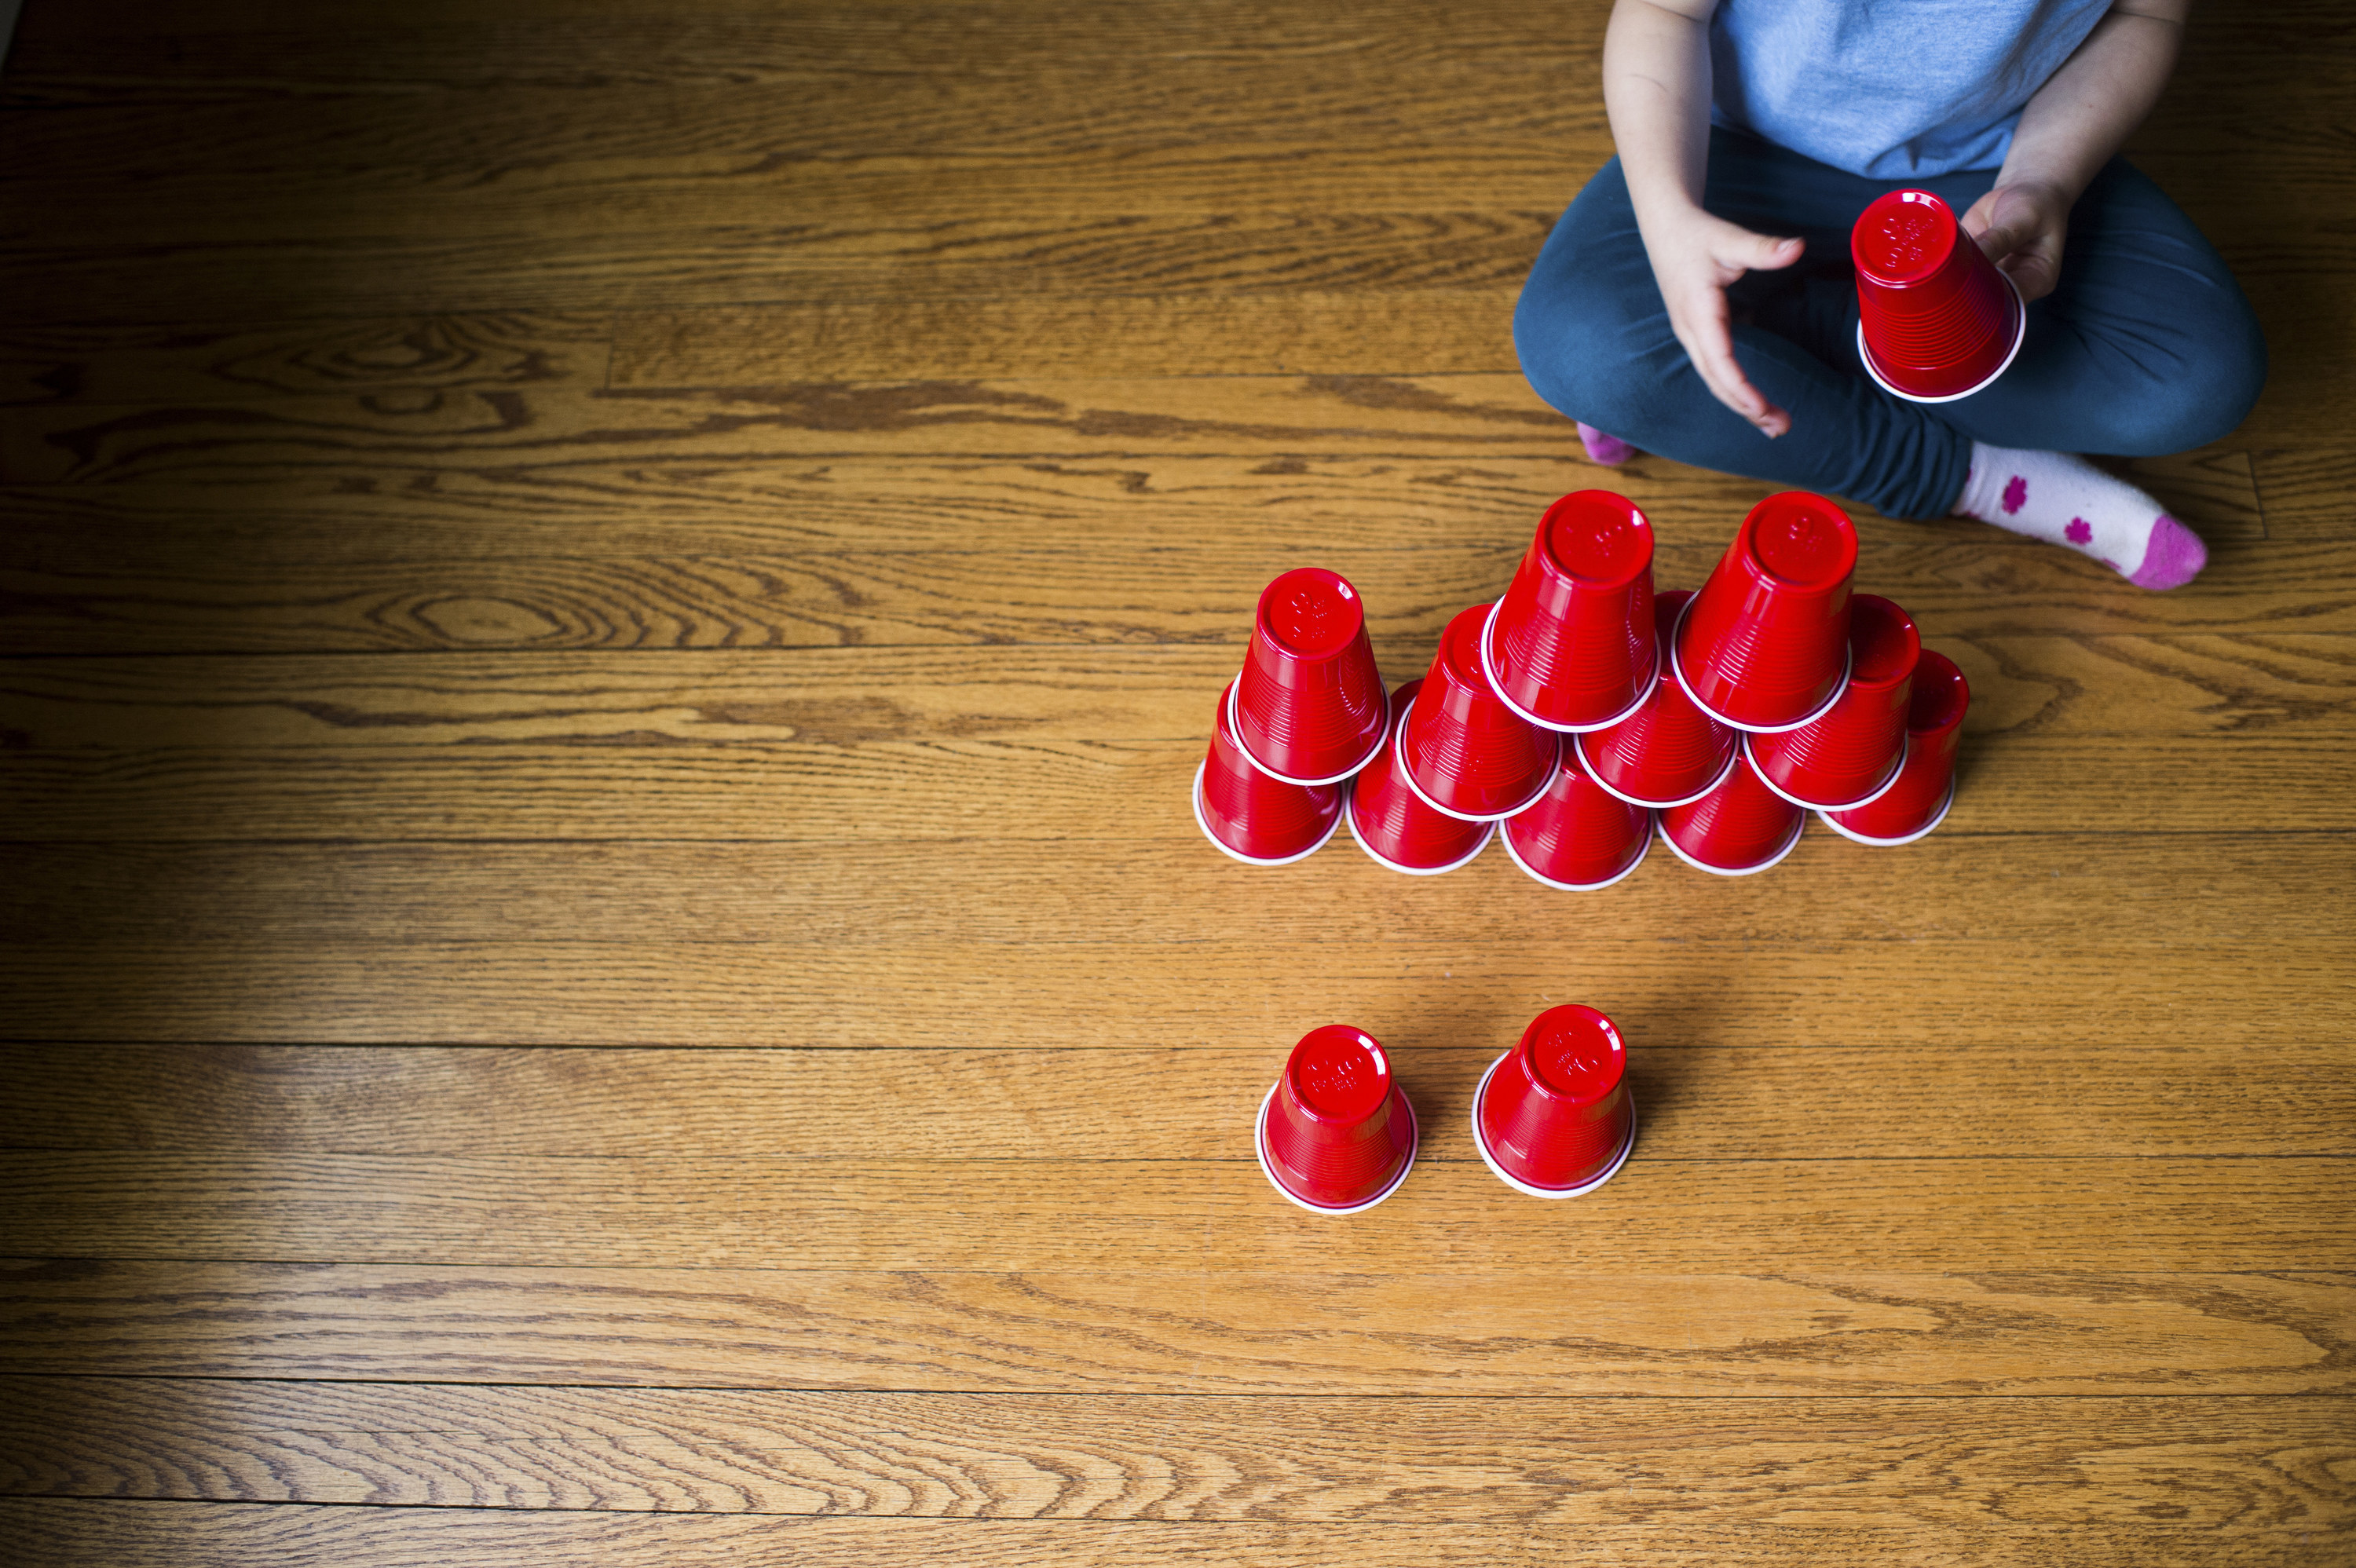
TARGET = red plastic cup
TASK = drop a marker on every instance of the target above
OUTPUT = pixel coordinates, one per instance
(1460, 747)
(1252, 817)
(1936, 320)
(1573, 645)
(1553, 1116)
(1334, 1134)
(1847, 758)
(1393, 825)
(1764, 644)
(1925, 789)
(1668, 751)
(1579, 836)
(1308, 708)
(1737, 829)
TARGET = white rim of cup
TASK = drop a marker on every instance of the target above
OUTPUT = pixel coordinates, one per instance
(1677, 667)
(1888, 780)
(1260, 1147)
(1398, 755)
(1202, 821)
(1480, 1142)
(1791, 842)
(2020, 336)
(1350, 810)
(1489, 669)
(1849, 833)
(1643, 848)
(1732, 759)
(1234, 724)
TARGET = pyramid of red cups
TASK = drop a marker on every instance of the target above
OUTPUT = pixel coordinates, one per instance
(1572, 719)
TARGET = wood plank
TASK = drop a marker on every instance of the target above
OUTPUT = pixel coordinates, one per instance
(1419, 984)
(2309, 490)
(1672, 1207)
(2011, 1463)
(1561, 1328)
(71, 1533)
(2176, 1100)
(48, 363)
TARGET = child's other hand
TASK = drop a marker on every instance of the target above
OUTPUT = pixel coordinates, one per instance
(1694, 264)
(2021, 228)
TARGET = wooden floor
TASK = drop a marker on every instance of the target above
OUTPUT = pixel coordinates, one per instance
(607, 613)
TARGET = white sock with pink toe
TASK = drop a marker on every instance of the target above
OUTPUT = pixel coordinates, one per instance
(2068, 501)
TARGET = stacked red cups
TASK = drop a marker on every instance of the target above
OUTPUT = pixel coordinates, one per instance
(1394, 826)
(1462, 747)
(1917, 801)
(1936, 319)
(1849, 757)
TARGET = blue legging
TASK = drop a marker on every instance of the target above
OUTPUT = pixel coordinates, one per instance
(2146, 347)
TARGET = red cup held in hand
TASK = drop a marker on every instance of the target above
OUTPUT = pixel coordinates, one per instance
(1393, 826)
(1252, 817)
(1579, 836)
(1849, 756)
(1668, 751)
(1309, 707)
(1553, 1116)
(1936, 319)
(1764, 644)
(1335, 1135)
(1460, 746)
(1925, 789)
(1737, 829)
(1573, 645)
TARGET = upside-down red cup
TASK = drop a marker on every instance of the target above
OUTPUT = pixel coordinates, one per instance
(1579, 836)
(1573, 645)
(1668, 751)
(1936, 320)
(1393, 826)
(1847, 758)
(1252, 817)
(1764, 644)
(1553, 1116)
(1335, 1135)
(1737, 829)
(1308, 708)
(1460, 746)
(1918, 802)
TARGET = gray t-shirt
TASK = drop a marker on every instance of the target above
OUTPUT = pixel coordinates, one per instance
(1894, 90)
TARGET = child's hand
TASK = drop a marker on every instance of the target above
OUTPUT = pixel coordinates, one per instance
(2022, 227)
(1693, 264)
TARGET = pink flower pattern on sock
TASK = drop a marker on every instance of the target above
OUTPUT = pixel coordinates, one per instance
(2080, 531)
(2015, 495)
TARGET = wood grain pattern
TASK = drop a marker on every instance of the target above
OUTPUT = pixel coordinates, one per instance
(2174, 1100)
(1552, 1331)
(2014, 1464)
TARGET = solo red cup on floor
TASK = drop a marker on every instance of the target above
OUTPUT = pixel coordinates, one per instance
(1579, 836)
(1737, 829)
(1460, 746)
(1847, 758)
(1393, 824)
(1668, 751)
(1919, 800)
(1308, 708)
(1936, 319)
(1573, 645)
(1553, 1116)
(1335, 1135)
(1764, 644)
(1252, 817)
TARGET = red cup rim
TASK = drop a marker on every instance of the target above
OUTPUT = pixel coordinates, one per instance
(1947, 686)
(1481, 1143)
(1733, 758)
(1202, 821)
(1643, 848)
(1791, 842)
(1677, 664)
(1893, 639)
(1267, 1167)
(1497, 687)
(1398, 754)
(1350, 810)
(1235, 731)
(1887, 782)
(2012, 352)
(1945, 805)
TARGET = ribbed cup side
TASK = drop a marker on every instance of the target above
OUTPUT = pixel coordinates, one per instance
(1468, 750)
(1740, 823)
(1255, 815)
(1310, 719)
(1940, 699)
(1842, 756)
(1665, 750)
(1757, 649)
(1331, 1164)
(1579, 832)
(1545, 1140)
